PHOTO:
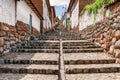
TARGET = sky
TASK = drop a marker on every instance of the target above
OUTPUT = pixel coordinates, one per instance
(60, 6)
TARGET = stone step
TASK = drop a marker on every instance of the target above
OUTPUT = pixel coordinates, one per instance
(40, 62)
(10, 76)
(28, 69)
(45, 44)
(57, 47)
(58, 39)
(94, 76)
(57, 50)
(63, 36)
(80, 47)
(37, 50)
(92, 68)
(50, 62)
(28, 58)
(64, 41)
(72, 39)
(52, 38)
(57, 36)
(87, 56)
(38, 47)
(44, 41)
(78, 44)
(76, 62)
(83, 50)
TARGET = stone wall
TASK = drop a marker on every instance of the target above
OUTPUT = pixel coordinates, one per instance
(10, 36)
(106, 33)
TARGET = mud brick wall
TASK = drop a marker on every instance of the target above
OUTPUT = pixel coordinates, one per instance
(107, 34)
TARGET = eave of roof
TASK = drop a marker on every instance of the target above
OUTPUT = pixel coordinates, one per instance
(53, 8)
(70, 5)
(32, 6)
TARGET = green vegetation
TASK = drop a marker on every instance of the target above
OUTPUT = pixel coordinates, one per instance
(95, 6)
(68, 23)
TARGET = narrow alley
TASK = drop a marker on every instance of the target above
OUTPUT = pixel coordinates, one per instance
(36, 43)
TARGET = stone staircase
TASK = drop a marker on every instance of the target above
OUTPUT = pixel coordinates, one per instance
(39, 59)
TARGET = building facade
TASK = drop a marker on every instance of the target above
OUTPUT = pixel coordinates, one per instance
(53, 15)
(18, 19)
(25, 13)
(79, 22)
(73, 10)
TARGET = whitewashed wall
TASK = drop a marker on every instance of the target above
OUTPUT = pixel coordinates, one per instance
(47, 21)
(75, 16)
(64, 22)
(88, 19)
(23, 14)
(7, 11)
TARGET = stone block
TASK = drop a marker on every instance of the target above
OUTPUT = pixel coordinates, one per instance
(118, 60)
(117, 34)
(1, 41)
(106, 45)
(113, 41)
(1, 49)
(2, 33)
(117, 45)
(111, 50)
(117, 53)
(4, 27)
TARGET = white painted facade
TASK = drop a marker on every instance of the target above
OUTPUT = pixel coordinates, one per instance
(8, 15)
(23, 14)
(47, 22)
(64, 22)
(88, 19)
(7, 12)
(75, 16)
